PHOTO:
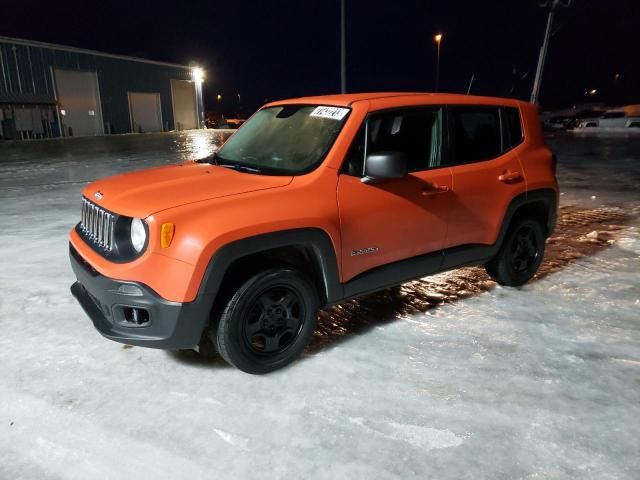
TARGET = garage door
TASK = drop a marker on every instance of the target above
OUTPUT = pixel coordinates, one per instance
(79, 100)
(146, 115)
(184, 104)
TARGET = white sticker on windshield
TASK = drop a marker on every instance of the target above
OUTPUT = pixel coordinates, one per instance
(335, 113)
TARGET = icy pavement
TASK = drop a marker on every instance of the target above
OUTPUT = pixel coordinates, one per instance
(450, 377)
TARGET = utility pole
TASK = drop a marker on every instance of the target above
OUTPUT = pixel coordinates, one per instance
(343, 50)
(473, 75)
(553, 5)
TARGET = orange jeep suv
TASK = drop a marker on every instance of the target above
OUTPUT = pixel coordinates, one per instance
(312, 201)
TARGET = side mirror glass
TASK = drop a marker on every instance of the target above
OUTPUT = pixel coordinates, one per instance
(385, 166)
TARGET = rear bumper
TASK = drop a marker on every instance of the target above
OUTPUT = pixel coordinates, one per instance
(170, 325)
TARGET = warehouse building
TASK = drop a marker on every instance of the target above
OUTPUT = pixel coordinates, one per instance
(51, 90)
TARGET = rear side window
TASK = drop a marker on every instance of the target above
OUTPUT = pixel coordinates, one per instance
(512, 127)
(475, 133)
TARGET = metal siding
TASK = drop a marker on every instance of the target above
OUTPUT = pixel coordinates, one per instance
(4, 80)
(116, 77)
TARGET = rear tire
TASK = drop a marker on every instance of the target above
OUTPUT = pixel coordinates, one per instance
(268, 322)
(520, 254)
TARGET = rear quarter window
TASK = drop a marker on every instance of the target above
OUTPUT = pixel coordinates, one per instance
(512, 127)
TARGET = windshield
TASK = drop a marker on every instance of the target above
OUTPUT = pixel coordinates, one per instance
(290, 139)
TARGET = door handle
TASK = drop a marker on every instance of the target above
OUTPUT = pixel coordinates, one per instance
(509, 177)
(434, 189)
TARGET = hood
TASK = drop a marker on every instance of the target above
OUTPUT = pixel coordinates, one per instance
(143, 193)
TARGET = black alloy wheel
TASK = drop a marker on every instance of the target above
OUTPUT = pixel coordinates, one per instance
(520, 255)
(274, 320)
(524, 249)
(268, 321)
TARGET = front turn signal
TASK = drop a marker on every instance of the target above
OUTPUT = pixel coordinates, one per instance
(166, 234)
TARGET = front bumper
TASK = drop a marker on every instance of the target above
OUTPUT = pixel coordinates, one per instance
(170, 325)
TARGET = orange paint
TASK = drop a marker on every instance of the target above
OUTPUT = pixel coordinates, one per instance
(425, 211)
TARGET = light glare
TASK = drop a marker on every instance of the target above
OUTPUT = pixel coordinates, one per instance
(198, 75)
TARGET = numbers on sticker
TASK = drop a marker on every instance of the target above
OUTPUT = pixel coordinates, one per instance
(334, 113)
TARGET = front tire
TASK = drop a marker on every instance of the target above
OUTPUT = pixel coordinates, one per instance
(520, 254)
(268, 321)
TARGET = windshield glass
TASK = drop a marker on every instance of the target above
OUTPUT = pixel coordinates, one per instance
(289, 139)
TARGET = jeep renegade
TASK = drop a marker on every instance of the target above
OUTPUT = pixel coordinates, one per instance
(311, 202)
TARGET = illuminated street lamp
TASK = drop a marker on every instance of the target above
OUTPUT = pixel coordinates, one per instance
(438, 40)
(198, 74)
(219, 97)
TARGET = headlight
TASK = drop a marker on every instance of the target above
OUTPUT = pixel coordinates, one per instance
(138, 234)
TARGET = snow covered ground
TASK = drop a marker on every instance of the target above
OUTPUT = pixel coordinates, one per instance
(451, 377)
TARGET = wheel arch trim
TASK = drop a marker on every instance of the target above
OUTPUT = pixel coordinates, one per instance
(315, 239)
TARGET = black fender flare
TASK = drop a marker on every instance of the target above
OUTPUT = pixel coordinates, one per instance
(315, 239)
(547, 196)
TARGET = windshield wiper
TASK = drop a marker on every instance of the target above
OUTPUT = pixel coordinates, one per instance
(239, 168)
(216, 159)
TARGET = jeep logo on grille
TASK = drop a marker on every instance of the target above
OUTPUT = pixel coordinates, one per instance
(98, 195)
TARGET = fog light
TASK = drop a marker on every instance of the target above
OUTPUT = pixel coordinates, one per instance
(130, 290)
(135, 317)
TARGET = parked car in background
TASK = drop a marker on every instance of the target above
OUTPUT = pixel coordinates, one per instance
(235, 122)
(611, 119)
(560, 123)
(232, 120)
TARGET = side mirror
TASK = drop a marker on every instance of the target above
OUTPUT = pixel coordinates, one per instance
(384, 166)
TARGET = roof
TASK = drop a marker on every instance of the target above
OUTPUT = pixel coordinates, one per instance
(53, 46)
(347, 99)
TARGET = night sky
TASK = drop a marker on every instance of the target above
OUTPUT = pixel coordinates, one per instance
(272, 49)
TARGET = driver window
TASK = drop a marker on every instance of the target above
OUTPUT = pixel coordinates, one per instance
(416, 132)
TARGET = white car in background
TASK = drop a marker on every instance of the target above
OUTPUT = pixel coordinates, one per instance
(611, 119)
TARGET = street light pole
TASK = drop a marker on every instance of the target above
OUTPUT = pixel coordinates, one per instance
(553, 4)
(438, 39)
(343, 49)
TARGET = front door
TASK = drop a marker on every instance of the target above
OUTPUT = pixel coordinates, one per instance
(397, 219)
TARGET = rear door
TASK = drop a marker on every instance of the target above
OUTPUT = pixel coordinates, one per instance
(486, 171)
(397, 219)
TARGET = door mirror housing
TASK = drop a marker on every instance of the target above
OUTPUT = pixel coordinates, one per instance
(385, 166)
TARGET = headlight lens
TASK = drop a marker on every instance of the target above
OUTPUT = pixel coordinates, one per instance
(138, 234)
